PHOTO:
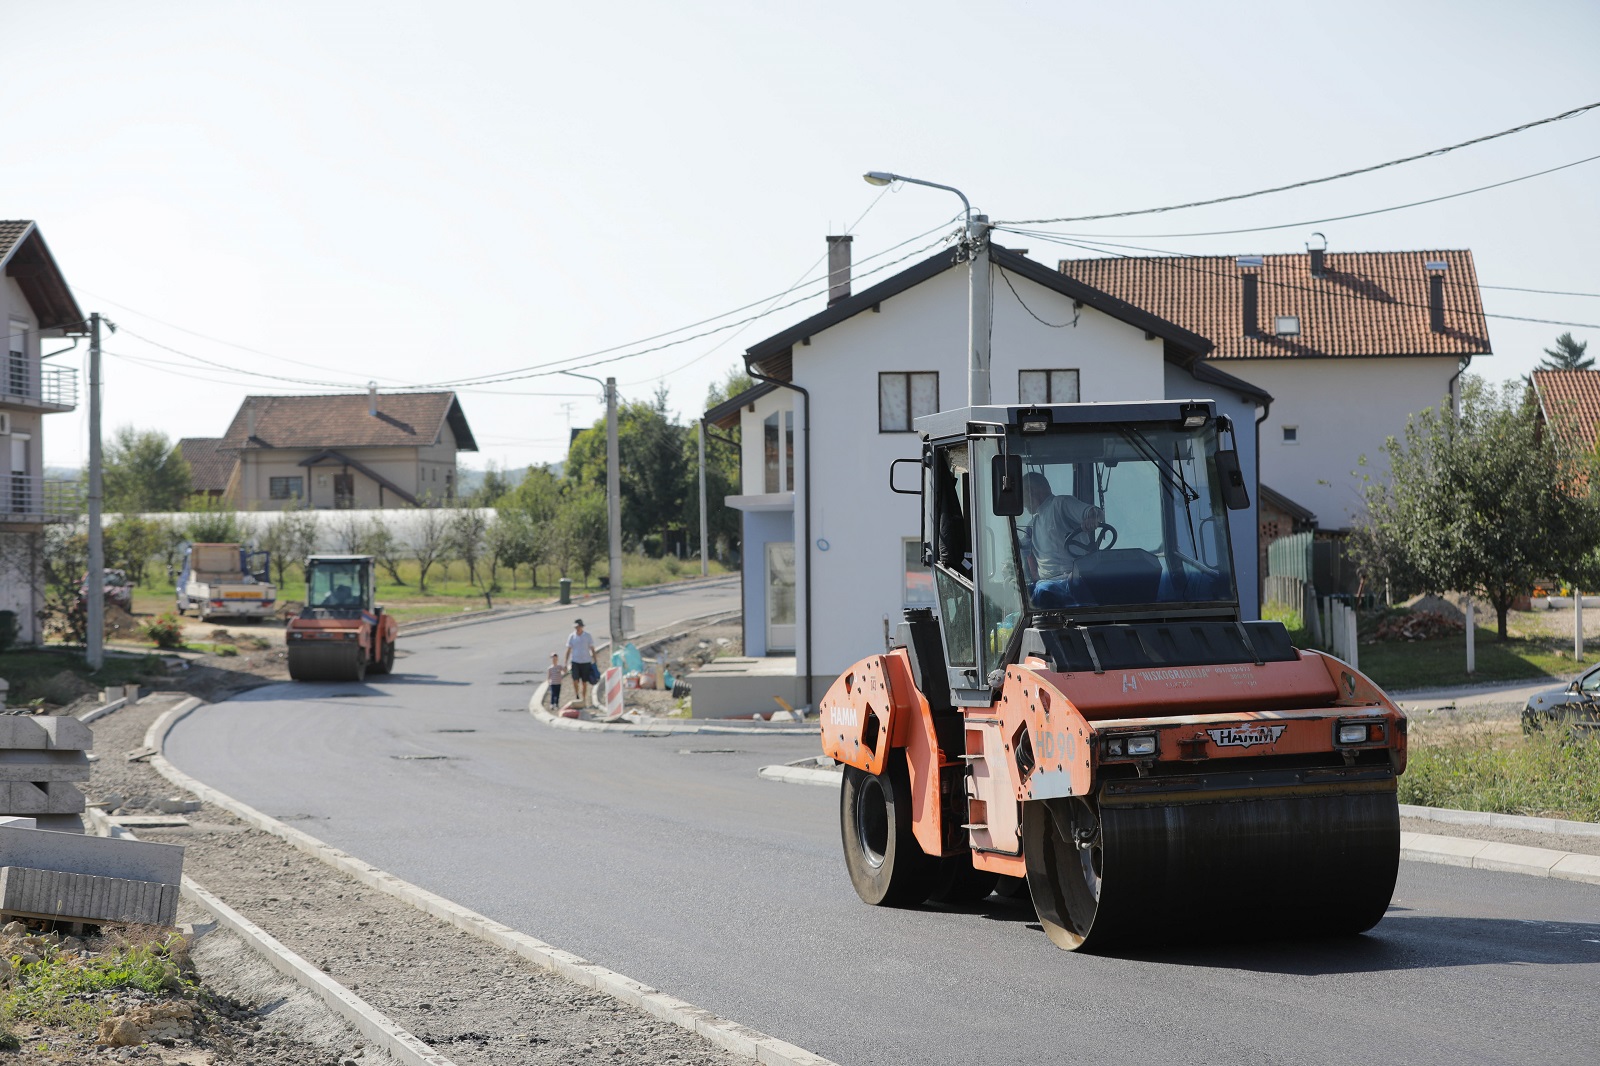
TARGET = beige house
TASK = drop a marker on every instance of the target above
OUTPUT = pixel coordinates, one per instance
(35, 305)
(335, 452)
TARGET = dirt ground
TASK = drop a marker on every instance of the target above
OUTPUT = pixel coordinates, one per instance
(474, 1003)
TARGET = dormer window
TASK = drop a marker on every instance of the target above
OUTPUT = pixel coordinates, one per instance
(1288, 326)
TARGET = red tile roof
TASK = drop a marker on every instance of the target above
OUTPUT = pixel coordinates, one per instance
(1570, 401)
(408, 419)
(1365, 304)
(209, 469)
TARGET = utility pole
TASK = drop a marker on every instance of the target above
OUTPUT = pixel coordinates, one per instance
(614, 515)
(705, 560)
(978, 314)
(94, 584)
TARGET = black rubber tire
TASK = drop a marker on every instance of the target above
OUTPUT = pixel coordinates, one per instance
(887, 866)
(1011, 887)
(958, 881)
(1063, 879)
(385, 663)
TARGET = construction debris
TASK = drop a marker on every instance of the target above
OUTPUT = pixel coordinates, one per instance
(1419, 625)
(41, 759)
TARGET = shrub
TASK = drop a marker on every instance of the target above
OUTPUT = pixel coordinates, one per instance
(166, 630)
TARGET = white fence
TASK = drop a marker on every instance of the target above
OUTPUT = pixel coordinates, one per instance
(1329, 623)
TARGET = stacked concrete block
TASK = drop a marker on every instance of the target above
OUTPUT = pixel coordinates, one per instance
(41, 760)
(88, 879)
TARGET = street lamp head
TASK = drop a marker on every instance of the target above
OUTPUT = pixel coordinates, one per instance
(877, 177)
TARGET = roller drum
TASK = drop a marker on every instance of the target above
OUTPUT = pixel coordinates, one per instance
(345, 661)
(1235, 868)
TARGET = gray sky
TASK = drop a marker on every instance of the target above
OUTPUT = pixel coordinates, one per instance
(422, 192)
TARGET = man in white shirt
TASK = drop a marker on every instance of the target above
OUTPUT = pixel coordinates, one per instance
(1056, 519)
(580, 655)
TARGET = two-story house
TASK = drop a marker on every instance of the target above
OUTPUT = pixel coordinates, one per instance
(342, 452)
(35, 305)
(829, 552)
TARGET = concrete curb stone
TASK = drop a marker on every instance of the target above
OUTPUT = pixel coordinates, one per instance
(728, 1035)
(1504, 821)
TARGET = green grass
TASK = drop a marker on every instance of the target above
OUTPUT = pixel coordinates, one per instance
(34, 673)
(56, 990)
(1547, 774)
(1431, 663)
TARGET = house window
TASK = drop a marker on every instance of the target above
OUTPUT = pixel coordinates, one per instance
(917, 588)
(17, 370)
(905, 397)
(285, 488)
(777, 442)
(1047, 386)
(1291, 434)
(1288, 325)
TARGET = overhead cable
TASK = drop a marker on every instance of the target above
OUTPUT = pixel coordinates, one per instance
(1573, 113)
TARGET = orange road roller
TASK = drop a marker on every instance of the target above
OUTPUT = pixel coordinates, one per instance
(340, 633)
(1084, 713)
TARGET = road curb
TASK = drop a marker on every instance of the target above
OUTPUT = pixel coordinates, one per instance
(369, 1021)
(1504, 821)
(728, 1035)
(803, 775)
(103, 710)
(1506, 858)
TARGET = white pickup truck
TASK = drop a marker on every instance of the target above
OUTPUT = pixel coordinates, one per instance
(226, 581)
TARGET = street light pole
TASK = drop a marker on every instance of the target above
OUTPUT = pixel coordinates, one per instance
(613, 509)
(705, 563)
(978, 281)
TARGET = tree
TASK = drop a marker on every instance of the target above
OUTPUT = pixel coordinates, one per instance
(583, 528)
(213, 522)
(1567, 355)
(388, 550)
(130, 542)
(505, 543)
(65, 561)
(657, 475)
(535, 502)
(431, 531)
(1487, 502)
(465, 536)
(144, 471)
(290, 537)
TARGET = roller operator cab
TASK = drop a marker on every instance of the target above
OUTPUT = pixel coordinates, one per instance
(341, 633)
(1086, 713)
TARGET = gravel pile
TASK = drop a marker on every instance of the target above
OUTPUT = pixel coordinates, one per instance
(474, 1003)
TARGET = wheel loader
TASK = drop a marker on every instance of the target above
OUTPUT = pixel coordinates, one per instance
(340, 633)
(1086, 716)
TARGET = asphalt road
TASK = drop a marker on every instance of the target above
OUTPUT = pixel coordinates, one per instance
(667, 859)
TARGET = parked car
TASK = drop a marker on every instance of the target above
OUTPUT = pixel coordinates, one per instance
(117, 589)
(1578, 704)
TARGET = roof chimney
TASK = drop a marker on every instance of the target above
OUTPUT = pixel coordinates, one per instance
(1436, 269)
(838, 269)
(1319, 268)
(249, 420)
(372, 398)
(1250, 264)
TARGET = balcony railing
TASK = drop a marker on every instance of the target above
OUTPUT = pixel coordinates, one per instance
(30, 498)
(51, 386)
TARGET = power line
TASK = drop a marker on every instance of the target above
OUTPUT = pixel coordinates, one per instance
(1334, 218)
(1168, 259)
(1312, 181)
(1545, 292)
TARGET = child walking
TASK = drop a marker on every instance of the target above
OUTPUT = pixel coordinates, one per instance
(554, 676)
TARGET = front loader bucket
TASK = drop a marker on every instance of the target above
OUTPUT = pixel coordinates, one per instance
(1181, 868)
(344, 661)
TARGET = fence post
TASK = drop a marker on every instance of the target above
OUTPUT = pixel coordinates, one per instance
(1311, 609)
(1355, 650)
(1577, 624)
(1472, 637)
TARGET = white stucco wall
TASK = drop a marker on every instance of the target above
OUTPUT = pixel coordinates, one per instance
(858, 579)
(1343, 409)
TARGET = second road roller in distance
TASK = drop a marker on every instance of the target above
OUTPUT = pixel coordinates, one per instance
(1085, 712)
(340, 634)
